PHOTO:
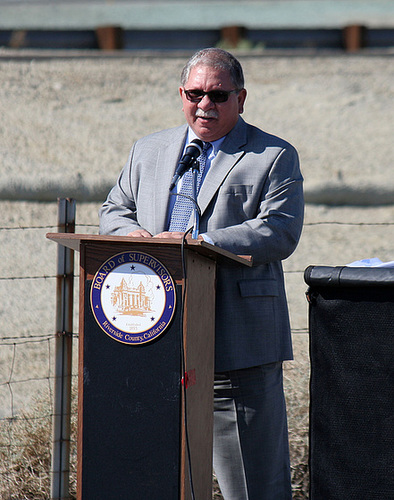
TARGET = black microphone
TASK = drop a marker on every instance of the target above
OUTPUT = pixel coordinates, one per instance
(192, 152)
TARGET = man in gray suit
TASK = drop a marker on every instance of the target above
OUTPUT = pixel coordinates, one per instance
(251, 204)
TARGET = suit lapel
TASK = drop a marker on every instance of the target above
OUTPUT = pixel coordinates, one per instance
(230, 153)
(167, 160)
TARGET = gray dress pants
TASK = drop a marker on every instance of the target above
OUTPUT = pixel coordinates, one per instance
(251, 450)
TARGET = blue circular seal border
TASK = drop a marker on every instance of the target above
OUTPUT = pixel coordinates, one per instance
(105, 323)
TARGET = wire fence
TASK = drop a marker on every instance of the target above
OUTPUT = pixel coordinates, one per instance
(27, 371)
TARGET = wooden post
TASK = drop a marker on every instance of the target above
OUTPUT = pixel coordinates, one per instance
(110, 37)
(231, 36)
(354, 37)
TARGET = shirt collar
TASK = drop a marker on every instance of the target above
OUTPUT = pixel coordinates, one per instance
(215, 144)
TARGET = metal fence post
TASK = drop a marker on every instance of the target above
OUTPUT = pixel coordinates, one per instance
(63, 357)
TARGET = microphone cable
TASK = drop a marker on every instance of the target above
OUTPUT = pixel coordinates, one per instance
(183, 364)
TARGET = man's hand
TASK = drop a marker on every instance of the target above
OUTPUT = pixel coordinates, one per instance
(170, 234)
(176, 235)
(140, 233)
(143, 233)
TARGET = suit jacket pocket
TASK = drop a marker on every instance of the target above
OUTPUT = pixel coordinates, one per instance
(239, 189)
(258, 288)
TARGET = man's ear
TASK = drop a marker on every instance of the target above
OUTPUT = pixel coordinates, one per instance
(241, 100)
(181, 94)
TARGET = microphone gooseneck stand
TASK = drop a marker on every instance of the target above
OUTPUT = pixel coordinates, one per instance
(196, 208)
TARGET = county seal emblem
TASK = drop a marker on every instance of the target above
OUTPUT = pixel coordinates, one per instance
(133, 297)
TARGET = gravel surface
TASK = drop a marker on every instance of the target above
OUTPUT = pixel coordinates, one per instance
(68, 124)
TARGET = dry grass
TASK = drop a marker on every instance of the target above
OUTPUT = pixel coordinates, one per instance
(25, 446)
(25, 454)
(296, 381)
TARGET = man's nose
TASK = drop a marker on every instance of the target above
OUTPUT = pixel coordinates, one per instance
(206, 102)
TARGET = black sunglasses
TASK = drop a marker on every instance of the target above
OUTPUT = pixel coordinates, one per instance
(214, 95)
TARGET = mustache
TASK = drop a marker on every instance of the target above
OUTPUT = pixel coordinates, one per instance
(210, 113)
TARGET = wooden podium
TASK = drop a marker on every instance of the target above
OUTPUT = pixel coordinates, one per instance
(146, 407)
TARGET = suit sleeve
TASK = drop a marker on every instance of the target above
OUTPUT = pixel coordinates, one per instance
(273, 231)
(118, 214)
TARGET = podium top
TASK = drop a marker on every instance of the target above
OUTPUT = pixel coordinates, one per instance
(74, 242)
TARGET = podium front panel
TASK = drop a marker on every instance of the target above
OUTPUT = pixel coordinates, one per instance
(136, 455)
(131, 422)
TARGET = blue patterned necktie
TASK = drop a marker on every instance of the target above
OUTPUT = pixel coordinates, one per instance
(183, 207)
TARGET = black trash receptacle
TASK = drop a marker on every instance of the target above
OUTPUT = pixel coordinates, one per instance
(351, 327)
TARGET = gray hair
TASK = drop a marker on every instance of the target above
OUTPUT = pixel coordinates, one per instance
(219, 59)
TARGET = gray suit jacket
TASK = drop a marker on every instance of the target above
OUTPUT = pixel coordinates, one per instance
(252, 204)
